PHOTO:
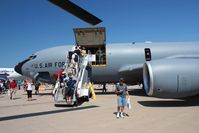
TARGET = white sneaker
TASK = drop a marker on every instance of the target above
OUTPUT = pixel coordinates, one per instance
(118, 114)
(122, 115)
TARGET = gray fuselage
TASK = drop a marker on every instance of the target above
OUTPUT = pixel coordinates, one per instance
(118, 57)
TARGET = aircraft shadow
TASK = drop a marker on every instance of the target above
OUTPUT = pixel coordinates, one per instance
(33, 99)
(15, 98)
(41, 94)
(6, 118)
(186, 102)
(137, 92)
(104, 93)
(125, 114)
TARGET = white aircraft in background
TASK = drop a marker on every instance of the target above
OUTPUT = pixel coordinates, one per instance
(10, 73)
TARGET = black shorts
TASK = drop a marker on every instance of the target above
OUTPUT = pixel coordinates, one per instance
(29, 93)
(69, 92)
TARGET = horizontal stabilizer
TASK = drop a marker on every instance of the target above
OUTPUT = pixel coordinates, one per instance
(77, 11)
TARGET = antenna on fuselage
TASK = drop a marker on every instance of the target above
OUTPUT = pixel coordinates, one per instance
(147, 54)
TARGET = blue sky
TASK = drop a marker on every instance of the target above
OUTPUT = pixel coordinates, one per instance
(27, 26)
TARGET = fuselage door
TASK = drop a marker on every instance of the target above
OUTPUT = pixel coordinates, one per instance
(94, 42)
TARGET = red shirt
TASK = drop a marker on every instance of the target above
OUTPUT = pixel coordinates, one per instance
(55, 76)
(60, 72)
(13, 84)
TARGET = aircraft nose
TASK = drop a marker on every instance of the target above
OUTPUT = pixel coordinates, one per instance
(18, 68)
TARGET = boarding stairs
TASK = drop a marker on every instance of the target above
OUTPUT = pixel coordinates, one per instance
(82, 85)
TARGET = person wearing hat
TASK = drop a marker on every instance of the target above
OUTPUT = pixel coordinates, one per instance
(122, 92)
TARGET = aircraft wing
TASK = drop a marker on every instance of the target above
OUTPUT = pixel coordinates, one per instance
(132, 73)
(130, 68)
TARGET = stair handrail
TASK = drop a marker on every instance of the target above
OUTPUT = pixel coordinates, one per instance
(81, 74)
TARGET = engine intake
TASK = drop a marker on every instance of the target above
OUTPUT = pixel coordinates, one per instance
(171, 78)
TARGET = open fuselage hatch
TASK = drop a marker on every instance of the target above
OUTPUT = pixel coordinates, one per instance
(94, 42)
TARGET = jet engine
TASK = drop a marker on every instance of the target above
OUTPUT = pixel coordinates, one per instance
(171, 78)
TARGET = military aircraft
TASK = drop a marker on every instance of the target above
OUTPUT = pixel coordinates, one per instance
(166, 70)
(170, 72)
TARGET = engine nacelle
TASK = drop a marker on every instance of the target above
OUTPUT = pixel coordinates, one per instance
(171, 78)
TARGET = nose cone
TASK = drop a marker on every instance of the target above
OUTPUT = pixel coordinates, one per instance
(18, 68)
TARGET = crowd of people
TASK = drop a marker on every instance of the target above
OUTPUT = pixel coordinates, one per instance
(11, 86)
(68, 78)
(74, 57)
(4, 85)
(68, 82)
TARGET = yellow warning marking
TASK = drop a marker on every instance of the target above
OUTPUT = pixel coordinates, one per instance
(92, 91)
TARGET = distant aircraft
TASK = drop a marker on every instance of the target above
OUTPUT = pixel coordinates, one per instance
(9, 73)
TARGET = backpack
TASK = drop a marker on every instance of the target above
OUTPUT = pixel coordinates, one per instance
(70, 53)
(71, 83)
(77, 51)
(76, 58)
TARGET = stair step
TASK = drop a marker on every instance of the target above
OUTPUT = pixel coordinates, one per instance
(81, 77)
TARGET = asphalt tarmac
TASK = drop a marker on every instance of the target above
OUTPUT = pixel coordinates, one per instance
(148, 115)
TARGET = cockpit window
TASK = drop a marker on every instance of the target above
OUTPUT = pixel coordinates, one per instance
(32, 57)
